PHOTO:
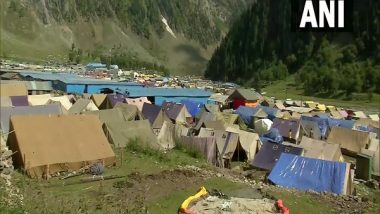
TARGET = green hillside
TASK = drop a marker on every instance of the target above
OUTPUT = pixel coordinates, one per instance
(41, 30)
(261, 48)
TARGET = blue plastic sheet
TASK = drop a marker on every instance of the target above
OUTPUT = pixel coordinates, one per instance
(323, 124)
(193, 107)
(341, 123)
(272, 136)
(272, 112)
(293, 171)
(246, 114)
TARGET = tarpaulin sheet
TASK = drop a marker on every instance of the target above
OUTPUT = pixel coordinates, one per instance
(192, 106)
(269, 154)
(273, 136)
(303, 173)
(323, 124)
(341, 123)
(113, 99)
(247, 114)
(272, 112)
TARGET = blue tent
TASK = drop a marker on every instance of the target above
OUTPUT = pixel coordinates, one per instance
(272, 112)
(293, 171)
(192, 106)
(246, 113)
(273, 136)
(341, 123)
(323, 124)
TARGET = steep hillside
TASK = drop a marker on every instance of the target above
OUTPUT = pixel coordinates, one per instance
(181, 34)
(260, 47)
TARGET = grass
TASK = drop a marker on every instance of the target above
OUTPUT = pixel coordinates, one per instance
(359, 100)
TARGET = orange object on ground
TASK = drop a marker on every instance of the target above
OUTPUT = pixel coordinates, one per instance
(281, 207)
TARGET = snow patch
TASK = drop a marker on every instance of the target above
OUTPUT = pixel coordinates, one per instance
(168, 29)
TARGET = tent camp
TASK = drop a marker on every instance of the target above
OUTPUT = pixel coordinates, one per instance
(288, 128)
(321, 149)
(64, 100)
(249, 141)
(7, 112)
(302, 173)
(228, 145)
(139, 102)
(155, 115)
(19, 100)
(204, 145)
(269, 153)
(310, 129)
(83, 105)
(249, 115)
(36, 100)
(121, 133)
(100, 100)
(13, 89)
(113, 99)
(166, 136)
(193, 107)
(109, 115)
(177, 112)
(350, 140)
(53, 150)
(130, 112)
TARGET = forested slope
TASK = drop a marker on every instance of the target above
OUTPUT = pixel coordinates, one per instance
(261, 47)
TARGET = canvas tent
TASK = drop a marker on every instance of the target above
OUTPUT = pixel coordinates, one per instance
(216, 125)
(302, 173)
(204, 145)
(113, 99)
(249, 141)
(193, 107)
(64, 100)
(100, 100)
(139, 102)
(13, 89)
(350, 140)
(248, 114)
(155, 115)
(177, 112)
(310, 129)
(36, 100)
(374, 117)
(5, 102)
(109, 115)
(269, 153)
(321, 150)
(166, 136)
(227, 143)
(58, 146)
(263, 126)
(121, 133)
(7, 112)
(83, 105)
(130, 112)
(288, 128)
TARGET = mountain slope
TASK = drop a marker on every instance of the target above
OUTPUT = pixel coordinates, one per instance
(260, 46)
(181, 34)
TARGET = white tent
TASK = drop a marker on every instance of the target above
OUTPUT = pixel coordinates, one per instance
(38, 100)
(263, 126)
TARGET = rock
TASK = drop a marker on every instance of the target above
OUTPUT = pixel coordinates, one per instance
(372, 184)
(219, 175)
(7, 171)
(237, 168)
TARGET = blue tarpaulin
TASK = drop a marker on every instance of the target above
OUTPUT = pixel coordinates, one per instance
(273, 136)
(193, 107)
(323, 124)
(272, 112)
(293, 171)
(341, 123)
(246, 113)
